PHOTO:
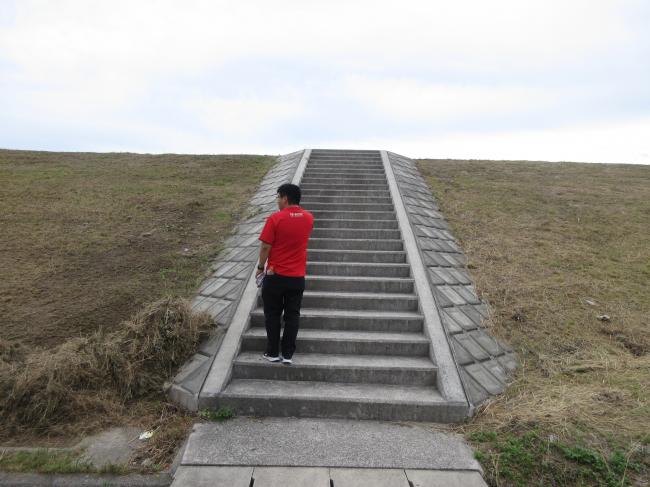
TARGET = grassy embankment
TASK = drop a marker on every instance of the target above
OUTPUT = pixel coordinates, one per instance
(89, 241)
(552, 248)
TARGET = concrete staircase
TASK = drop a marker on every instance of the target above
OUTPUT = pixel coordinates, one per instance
(362, 352)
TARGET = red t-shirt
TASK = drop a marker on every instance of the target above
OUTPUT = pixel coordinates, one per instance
(287, 231)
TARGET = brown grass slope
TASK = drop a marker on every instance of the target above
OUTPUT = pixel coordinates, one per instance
(97, 249)
(88, 238)
(552, 248)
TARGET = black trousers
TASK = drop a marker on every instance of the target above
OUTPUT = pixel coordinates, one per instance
(282, 294)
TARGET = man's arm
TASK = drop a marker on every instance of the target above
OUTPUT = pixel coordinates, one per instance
(264, 254)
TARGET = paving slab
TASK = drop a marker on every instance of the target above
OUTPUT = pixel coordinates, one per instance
(441, 478)
(291, 477)
(357, 477)
(213, 477)
(110, 447)
(311, 442)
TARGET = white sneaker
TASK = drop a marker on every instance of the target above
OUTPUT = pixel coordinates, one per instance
(287, 361)
(271, 359)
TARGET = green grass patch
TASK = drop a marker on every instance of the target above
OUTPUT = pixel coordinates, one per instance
(531, 458)
(47, 461)
(224, 413)
(44, 461)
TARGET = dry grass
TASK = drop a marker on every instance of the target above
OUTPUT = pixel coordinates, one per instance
(552, 247)
(89, 241)
(171, 428)
(94, 374)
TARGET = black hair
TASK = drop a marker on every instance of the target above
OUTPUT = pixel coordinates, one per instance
(291, 191)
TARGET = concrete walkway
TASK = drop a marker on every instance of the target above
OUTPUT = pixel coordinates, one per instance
(323, 477)
(285, 452)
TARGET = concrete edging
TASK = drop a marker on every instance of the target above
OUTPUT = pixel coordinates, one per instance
(448, 377)
(221, 368)
(483, 362)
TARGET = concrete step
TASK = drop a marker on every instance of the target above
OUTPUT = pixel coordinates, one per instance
(374, 256)
(360, 320)
(338, 175)
(355, 244)
(345, 194)
(339, 400)
(356, 224)
(345, 151)
(355, 233)
(345, 164)
(345, 186)
(346, 342)
(345, 160)
(353, 215)
(344, 171)
(309, 199)
(344, 205)
(357, 300)
(343, 181)
(345, 157)
(358, 269)
(349, 186)
(359, 284)
(316, 367)
(346, 167)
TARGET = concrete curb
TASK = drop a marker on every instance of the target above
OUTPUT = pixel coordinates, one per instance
(221, 369)
(449, 383)
(484, 363)
(221, 292)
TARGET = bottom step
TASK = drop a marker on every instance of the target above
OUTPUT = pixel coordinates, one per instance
(336, 400)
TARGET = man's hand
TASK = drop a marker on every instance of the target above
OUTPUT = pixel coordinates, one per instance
(265, 249)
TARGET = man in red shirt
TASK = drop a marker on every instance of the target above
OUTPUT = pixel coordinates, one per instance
(284, 244)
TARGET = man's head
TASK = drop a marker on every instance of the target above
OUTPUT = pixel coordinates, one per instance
(288, 194)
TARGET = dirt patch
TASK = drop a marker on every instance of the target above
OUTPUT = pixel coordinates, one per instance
(89, 238)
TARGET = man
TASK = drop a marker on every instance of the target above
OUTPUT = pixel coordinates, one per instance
(284, 244)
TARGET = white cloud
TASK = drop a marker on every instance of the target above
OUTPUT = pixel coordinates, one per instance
(411, 99)
(73, 65)
(615, 142)
(77, 38)
(242, 117)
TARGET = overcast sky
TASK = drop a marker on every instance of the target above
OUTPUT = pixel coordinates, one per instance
(537, 80)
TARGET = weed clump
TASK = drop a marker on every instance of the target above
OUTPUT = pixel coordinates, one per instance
(222, 414)
(530, 458)
(92, 373)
